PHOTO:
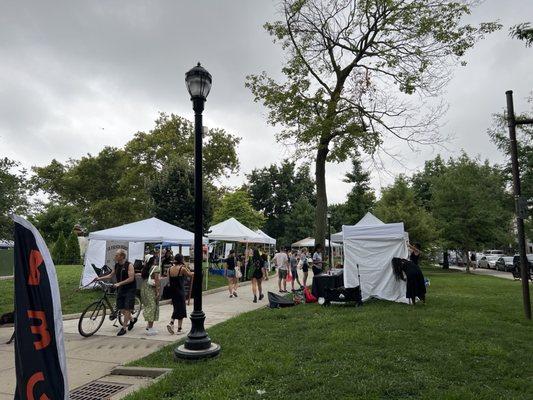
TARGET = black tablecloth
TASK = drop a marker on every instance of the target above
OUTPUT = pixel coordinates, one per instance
(324, 281)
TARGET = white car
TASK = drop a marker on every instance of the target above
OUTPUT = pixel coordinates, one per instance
(488, 261)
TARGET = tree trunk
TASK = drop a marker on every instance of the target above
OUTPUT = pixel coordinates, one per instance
(321, 196)
(445, 261)
(466, 260)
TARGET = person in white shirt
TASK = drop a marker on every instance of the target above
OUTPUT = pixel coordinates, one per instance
(317, 260)
(281, 261)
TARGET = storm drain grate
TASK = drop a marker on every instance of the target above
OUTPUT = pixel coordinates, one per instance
(97, 390)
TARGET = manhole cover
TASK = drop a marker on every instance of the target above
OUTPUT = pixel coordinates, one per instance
(97, 390)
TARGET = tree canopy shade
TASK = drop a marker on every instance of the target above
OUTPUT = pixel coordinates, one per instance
(12, 194)
(523, 31)
(471, 205)
(238, 205)
(350, 65)
(398, 204)
(55, 218)
(113, 187)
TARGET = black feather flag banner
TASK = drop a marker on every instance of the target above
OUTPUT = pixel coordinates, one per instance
(39, 346)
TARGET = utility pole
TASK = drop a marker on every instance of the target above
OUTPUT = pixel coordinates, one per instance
(520, 202)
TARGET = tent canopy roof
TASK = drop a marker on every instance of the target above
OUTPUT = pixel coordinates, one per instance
(264, 237)
(310, 242)
(369, 219)
(151, 230)
(232, 230)
(372, 228)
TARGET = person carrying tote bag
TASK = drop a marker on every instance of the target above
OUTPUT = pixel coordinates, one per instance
(150, 294)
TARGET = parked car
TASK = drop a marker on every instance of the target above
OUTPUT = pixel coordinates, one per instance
(529, 257)
(505, 264)
(494, 252)
(488, 261)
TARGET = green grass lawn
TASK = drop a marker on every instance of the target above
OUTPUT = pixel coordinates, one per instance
(470, 341)
(73, 300)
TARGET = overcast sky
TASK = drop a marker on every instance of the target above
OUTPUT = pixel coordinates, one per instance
(76, 76)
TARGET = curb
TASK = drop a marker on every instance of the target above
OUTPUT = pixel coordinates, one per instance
(140, 371)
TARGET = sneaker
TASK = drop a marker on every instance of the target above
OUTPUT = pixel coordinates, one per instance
(231, 296)
(261, 296)
(170, 328)
(235, 294)
(151, 332)
(132, 323)
(121, 332)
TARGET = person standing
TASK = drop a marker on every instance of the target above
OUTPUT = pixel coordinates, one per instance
(414, 257)
(293, 262)
(317, 260)
(264, 258)
(282, 264)
(124, 274)
(257, 275)
(177, 274)
(229, 272)
(150, 294)
(304, 254)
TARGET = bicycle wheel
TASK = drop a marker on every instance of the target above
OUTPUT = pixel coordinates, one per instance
(136, 310)
(92, 319)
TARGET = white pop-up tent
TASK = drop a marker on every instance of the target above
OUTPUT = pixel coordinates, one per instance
(369, 247)
(232, 230)
(264, 238)
(131, 237)
(310, 242)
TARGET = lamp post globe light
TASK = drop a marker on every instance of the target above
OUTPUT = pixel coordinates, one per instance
(198, 344)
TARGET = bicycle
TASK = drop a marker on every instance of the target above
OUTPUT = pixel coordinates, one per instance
(93, 316)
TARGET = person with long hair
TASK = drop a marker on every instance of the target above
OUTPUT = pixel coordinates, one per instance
(257, 275)
(411, 273)
(304, 254)
(177, 274)
(230, 264)
(150, 294)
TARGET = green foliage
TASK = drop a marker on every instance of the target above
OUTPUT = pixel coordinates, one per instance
(299, 223)
(239, 206)
(54, 218)
(59, 251)
(398, 204)
(523, 32)
(470, 341)
(500, 136)
(13, 195)
(276, 189)
(471, 205)
(360, 199)
(172, 193)
(422, 181)
(348, 67)
(72, 250)
(113, 187)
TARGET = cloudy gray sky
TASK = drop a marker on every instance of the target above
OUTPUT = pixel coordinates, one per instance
(78, 75)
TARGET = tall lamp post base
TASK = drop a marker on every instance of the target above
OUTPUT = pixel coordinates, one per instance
(198, 344)
(181, 353)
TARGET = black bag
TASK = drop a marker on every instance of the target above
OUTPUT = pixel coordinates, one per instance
(277, 301)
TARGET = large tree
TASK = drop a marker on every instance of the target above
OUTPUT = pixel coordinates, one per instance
(276, 189)
(398, 204)
(299, 223)
(54, 218)
(13, 194)
(238, 205)
(471, 205)
(349, 69)
(113, 187)
(359, 201)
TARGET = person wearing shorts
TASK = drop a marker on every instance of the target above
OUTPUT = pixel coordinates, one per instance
(293, 261)
(229, 271)
(281, 260)
(124, 274)
(305, 265)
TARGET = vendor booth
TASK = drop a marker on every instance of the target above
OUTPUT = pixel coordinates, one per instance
(132, 238)
(369, 247)
(310, 243)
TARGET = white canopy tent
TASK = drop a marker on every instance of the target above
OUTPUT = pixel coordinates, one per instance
(368, 219)
(369, 247)
(265, 239)
(131, 237)
(232, 230)
(310, 242)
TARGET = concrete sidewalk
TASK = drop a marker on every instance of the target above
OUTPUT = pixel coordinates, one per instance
(92, 358)
(488, 272)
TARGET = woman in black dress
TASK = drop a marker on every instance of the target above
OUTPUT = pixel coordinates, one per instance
(177, 274)
(257, 275)
(408, 271)
(415, 253)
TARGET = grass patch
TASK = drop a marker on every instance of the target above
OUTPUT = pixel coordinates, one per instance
(469, 342)
(72, 299)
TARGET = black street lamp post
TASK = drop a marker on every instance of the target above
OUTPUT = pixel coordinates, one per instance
(198, 344)
(329, 240)
(521, 203)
